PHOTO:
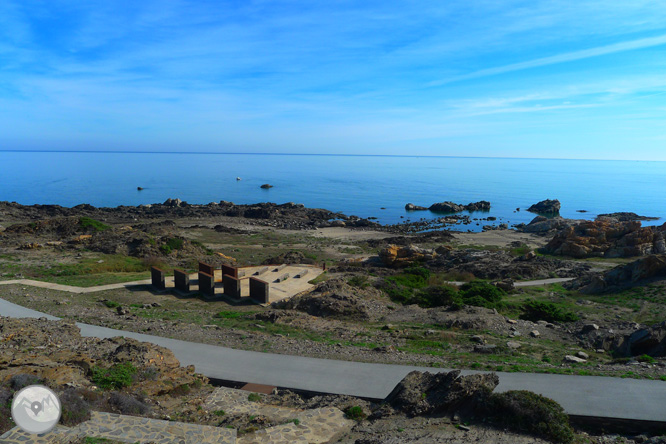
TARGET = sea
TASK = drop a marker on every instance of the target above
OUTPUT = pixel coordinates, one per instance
(365, 186)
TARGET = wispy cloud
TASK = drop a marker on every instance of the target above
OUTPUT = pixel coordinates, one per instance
(560, 58)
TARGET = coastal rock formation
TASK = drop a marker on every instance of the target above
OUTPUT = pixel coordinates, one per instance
(545, 225)
(625, 217)
(451, 207)
(604, 238)
(412, 207)
(441, 393)
(266, 186)
(623, 276)
(394, 255)
(646, 341)
(547, 206)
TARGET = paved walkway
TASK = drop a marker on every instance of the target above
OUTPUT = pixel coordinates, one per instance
(579, 395)
(129, 429)
(311, 275)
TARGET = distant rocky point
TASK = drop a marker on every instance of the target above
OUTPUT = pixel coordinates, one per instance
(625, 217)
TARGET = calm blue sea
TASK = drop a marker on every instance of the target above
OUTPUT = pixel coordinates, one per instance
(359, 185)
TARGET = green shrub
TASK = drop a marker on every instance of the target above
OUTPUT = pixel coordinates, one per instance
(355, 413)
(172, 244)
(646, 358)
(254, 397)
(96, 225)
(75, 409)
(545, 311)
(360, 281)
(524, 411)
(111, 304)
(481, 294)
(440, 296)
(219, 413)
(418, 271)
(116, 377)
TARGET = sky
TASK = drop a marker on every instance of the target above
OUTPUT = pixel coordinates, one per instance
(503, 78)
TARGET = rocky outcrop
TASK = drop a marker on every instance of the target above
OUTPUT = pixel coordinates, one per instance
(55, 351)
(266, 186)
(412, 207)
(500, 265)
(623, 276)
(646, 341)
(441, 393)
(395, 256)
(545, 225)
(604, 238)
(291, 257)
(547, 206)
(337, 299)
(625, 217)
(451, 207)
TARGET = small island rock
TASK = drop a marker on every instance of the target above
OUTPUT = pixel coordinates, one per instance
(547, 206)
(266, 186)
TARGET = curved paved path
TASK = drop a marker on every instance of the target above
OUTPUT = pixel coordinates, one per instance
(73, 289)
(579, 395)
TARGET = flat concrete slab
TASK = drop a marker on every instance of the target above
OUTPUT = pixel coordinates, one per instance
(594, 396)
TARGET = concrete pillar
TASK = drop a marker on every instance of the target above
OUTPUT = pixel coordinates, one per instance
(228, 270)
(206, 283)
(181, 280)
(259, 290)
(157, 278)
(232, 286)
(205, 268)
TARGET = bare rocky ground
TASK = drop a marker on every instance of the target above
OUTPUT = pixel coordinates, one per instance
(349, 315)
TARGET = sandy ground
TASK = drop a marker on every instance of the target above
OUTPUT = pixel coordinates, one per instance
(499, 238)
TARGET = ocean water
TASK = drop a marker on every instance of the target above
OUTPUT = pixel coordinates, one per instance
(359, 185)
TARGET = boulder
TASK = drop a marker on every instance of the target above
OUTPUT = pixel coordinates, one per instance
(442, 393)
(646, 341)
(266, 186)
(394, 255)
(547, 206)
(482, 205)
(573, 359)
(541, 224)
(412, 207)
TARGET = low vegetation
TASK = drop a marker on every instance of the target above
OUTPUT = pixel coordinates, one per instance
(95, 225)
(534, 311)
(524, 411)
(115, 377)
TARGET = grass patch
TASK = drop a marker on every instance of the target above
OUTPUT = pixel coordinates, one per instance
(172, 244)
(87, 222)
(254, 397)
(116, 377)
(355, 413)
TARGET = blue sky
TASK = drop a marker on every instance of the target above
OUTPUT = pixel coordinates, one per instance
(555, 79)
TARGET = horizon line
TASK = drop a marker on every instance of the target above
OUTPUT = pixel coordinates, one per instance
(318, 154)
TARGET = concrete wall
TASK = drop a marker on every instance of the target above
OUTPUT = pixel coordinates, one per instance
(181, 280)
(206, 283)
(232, 286)
(259, 290)
(229, 271)
(205, 268)
(157, 278)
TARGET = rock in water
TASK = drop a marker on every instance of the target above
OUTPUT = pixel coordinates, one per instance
(412, 207)
(546, 207)
(446, 207)
(266, 186)
(139, 188)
